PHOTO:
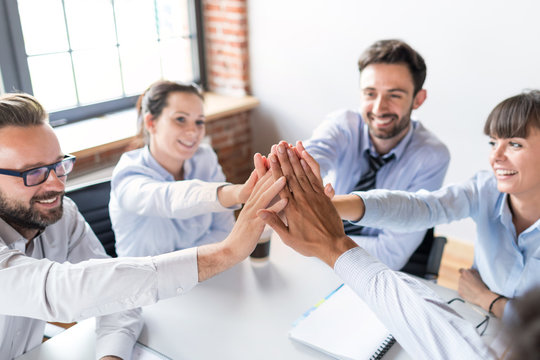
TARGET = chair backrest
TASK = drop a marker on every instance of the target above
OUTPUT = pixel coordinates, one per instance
(92, 200)
(426, 260)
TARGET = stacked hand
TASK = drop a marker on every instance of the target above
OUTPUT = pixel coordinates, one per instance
(314, 226)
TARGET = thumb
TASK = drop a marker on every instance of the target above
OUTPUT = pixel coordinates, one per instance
(272, 220)
(329, 191)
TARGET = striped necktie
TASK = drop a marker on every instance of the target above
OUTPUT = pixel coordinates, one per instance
(367, 182)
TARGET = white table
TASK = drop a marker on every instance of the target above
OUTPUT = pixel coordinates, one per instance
(243, 313)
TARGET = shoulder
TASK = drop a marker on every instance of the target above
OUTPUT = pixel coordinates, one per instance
(428, 143)
(344, 118)
(132, 163)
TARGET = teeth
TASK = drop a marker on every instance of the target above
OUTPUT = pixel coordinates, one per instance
(383, 121)
(505, 172)
(186, 144)
(48, 201)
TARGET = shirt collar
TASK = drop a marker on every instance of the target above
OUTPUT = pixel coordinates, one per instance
(9, 235)
(398, 150)
(152, 163)
(505, 215)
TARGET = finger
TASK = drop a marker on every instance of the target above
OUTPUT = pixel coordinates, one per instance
(277, 173)
(260, 166)
(272, 220)
(299, 171)
(251, 181)
(315, 183)
(329, 191)
(278, 206)
(287, 169)
(313, 164)
(267, 192)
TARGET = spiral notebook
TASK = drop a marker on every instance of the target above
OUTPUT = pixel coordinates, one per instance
(343, 326)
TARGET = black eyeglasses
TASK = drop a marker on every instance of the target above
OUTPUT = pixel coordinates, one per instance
(480, 327)
(40, 174)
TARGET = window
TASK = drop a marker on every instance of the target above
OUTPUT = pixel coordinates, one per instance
(85, 58)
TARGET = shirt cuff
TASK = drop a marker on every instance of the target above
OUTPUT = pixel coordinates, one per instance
(117, 344)
(356, 267)
(177, 272)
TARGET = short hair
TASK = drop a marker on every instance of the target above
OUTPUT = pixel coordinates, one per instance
(154, 99)
(514, 116)
(394, 51)
(19, 109)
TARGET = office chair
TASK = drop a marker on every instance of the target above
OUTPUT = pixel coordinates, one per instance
(93, 202)
(426, 259)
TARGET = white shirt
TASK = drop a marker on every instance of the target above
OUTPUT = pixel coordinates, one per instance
(153, 214)
(423, 324)
(51, 281)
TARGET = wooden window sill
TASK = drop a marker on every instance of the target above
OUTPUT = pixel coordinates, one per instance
(94, 136)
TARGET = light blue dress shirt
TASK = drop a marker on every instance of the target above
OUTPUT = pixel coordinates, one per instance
(339, 145)
(509, 264)
(152, 214)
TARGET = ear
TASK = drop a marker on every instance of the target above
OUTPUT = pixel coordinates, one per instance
(419, 99)
(149, 123)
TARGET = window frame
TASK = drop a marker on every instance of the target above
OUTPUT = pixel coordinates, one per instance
(15, 73)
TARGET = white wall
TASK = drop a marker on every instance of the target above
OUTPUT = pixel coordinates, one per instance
(303, 65)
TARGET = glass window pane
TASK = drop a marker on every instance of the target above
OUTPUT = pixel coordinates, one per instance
(173, 18)
(43, 25)
(176, 60)
(140, 66)
(52, 81)
(98, 75)
(90, 23)
(135, 21)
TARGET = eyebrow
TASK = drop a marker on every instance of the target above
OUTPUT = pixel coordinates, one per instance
(389, 90)
(40, 164)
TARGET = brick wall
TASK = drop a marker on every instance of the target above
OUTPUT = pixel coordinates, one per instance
(225, 28)
(231, 139)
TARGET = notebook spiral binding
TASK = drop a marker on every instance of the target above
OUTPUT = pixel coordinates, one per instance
(383, 349)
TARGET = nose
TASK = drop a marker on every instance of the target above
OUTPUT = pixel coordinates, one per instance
(498, 152)
(379, 105)
(55, 183)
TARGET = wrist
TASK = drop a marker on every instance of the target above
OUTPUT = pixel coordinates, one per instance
(341, 246)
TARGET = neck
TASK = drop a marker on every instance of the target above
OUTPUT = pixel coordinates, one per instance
(173, 166)
(383, 146)
(28, 234)
(525, 211)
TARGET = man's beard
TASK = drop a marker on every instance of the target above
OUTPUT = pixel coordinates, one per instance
(399, 125)
(15, 213)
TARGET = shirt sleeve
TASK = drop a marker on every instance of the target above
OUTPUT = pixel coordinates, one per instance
(420, 321)
(405, 211)
(69, 292)
(328, 142)
(139, 193)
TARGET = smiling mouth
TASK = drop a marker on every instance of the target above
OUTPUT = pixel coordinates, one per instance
(504, 172)
(47, 201)
(187, 144)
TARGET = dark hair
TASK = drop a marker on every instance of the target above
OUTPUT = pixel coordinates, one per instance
(154, 99)
(514, 116)
(524, 331)
(19, 109)
(395, 52)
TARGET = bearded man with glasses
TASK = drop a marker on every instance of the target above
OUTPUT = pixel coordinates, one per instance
(52, 266)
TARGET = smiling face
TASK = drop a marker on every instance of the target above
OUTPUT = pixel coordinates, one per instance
(516, 164)
(387, 100)
(22, 148)
(177, 132)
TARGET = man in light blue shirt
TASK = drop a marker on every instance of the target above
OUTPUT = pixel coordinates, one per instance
(391, 79)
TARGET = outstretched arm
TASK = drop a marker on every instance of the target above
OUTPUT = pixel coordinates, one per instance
(420, 321)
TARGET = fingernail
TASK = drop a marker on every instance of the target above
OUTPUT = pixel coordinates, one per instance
(289, 152)
(272, 158)
(263, 215)
(281, 148)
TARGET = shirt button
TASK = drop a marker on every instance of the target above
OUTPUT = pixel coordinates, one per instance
(179, 290)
